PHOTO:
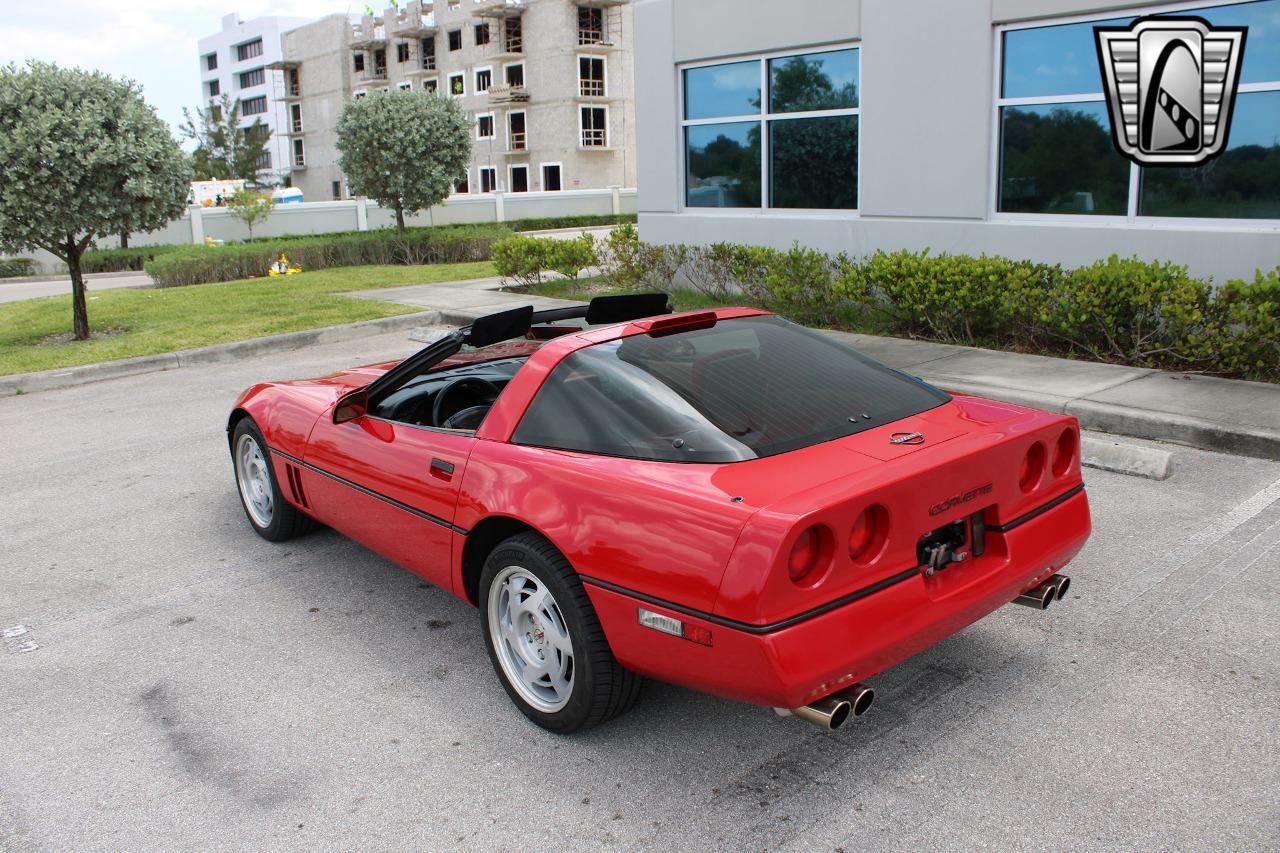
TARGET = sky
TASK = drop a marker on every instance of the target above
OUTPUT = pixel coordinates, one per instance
(152, 43)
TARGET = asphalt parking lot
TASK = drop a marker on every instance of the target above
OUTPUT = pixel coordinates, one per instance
(193, 686)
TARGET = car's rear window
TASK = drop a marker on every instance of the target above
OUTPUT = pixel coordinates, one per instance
(742, 389)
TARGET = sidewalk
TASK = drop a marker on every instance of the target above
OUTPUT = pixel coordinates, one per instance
(18, 289)
(1226, 415)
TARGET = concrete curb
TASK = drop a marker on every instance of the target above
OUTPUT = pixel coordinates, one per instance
(1146, 462)
(49, 380)
(1115, 419)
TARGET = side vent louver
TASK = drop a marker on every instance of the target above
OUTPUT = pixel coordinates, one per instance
(295, 486)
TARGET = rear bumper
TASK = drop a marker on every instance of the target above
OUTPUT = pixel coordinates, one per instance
(807, 659)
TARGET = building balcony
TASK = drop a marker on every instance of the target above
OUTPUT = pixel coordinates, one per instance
(373, 75)
(508, 94)
(422, 71)
(368, 35)
(518, 142)
(499, 9)
(412, 22)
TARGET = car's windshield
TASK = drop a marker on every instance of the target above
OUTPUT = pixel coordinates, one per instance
(741, 389)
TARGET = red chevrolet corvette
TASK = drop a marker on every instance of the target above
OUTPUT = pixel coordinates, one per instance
(720, 499)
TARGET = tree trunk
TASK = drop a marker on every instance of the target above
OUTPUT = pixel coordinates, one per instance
(79, 310)
(400, 217)
(124, 239)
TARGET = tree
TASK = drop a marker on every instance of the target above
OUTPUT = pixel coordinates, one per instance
(225, 150)
(82, 156)
(405, 150)
(250, 207)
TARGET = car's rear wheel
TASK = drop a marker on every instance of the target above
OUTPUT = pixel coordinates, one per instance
(269, 514)
(545, 641)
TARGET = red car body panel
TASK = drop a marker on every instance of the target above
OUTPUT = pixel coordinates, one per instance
(705, 543)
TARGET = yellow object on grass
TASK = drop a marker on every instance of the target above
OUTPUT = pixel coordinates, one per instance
(282, 267)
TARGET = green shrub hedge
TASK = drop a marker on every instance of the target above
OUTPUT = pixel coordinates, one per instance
(182, 265)
(440, 245)
(16, 267)
(523, 259)
(121, 260)
(1119, 310)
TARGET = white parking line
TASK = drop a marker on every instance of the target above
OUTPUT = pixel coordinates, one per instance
(1243, 511)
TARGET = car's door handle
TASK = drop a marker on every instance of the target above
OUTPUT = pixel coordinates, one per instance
(440, 468)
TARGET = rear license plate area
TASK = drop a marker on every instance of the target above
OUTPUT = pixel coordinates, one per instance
(951, 543)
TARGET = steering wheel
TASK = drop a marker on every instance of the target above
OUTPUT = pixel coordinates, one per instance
(437, 408)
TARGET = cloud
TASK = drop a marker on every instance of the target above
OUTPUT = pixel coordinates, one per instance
(153, 44)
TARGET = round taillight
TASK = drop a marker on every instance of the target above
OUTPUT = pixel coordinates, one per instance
(804, 555)
(1032, 467)
(867, 535)
(1064, 453)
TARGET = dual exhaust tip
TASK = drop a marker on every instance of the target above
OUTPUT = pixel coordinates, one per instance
(832, 712)
(1046, 593)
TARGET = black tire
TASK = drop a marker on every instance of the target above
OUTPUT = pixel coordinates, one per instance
(286, 520)
(602, 689)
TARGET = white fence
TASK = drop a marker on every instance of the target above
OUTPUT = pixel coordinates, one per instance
(320, 217)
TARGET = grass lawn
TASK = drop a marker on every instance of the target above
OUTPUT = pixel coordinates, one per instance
(148, 321)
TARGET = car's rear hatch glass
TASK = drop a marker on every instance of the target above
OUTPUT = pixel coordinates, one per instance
(742, 389)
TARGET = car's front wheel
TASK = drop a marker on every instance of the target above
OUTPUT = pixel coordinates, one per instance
(270, 515)
(545, 641)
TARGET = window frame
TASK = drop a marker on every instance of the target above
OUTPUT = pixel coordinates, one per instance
(244, 113)
(404, 86)
(211, 61)
(261, 79)
(542, 175)
(604, 74)
(475, 78)
(448, 84)
(524, 149)
(511, 178)
(506, 80)
(608, 135)
(403, 52)
(480, 170)
(448, 41)
(764, 117)
(493, 126)
(243, 54)
(1131, 218)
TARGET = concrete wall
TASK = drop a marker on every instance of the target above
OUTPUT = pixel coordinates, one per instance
(926, 137)
(321, 48)
(347, 215)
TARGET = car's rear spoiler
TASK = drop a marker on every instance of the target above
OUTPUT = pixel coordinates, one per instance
(515, 323)
(600, 311)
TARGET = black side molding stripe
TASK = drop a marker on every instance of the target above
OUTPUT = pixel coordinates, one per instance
(749, 627)
(434, 519)
(1043, 508)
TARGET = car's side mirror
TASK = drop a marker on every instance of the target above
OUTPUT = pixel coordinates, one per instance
(352, 406)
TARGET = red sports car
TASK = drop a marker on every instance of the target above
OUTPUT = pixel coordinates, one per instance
(721, 499)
